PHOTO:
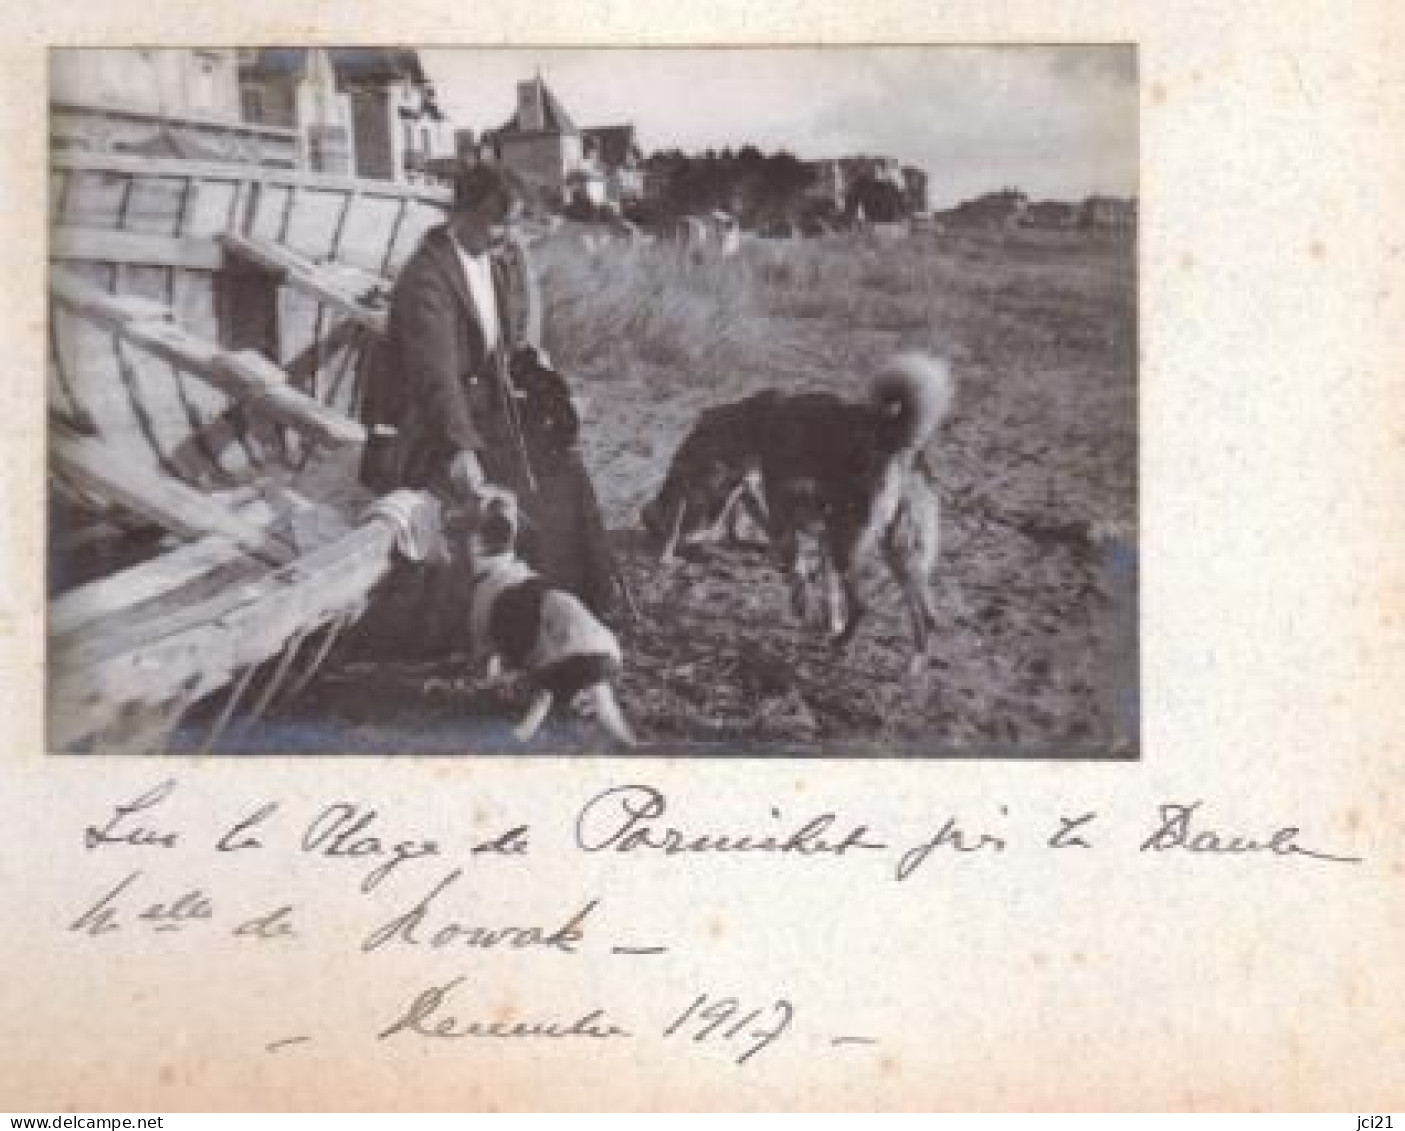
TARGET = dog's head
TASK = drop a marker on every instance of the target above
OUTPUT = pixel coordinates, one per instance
(706, 471)
(695, 493)
(492, 521)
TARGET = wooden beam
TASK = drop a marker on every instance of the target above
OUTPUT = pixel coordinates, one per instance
(95, 467)
(135, 248)
(100, 306)
(251, 378)
(121, 592)
(326, 285)
(243, 375)
(129, 588)
(231, 173)
(217, 638)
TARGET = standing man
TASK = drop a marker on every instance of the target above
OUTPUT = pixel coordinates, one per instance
(443, 414)
(437, 405)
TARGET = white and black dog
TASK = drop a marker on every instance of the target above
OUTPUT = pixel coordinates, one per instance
(521, 622)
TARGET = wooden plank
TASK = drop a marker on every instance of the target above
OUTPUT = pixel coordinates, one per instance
(95, 467)
(215, 171)
(97, 305)
(141, 248)
(326, 285)
(243, 375)
(252, 379)
(123, 591)
(347, 205)
(187, 192)
(389, 258)
(219, 637)
(109, 596)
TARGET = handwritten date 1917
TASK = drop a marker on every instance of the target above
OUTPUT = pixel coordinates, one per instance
(709, 1018)
(723, 1021)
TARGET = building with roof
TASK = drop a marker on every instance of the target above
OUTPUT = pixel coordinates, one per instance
(915, 188)
(542, 144)
(158, 102)
(1003, 209)
(828, 184)
(1109, 212)
(1052, 214)
(365, 112)
(884, 170)
(615, 151)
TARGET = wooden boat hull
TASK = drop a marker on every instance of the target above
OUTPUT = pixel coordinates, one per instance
(207, 329)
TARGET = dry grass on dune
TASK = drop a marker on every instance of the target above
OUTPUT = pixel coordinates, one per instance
(615, 310)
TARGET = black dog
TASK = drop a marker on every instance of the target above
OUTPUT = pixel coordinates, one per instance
(846, 476)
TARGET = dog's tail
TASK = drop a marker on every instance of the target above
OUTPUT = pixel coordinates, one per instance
(913, 393)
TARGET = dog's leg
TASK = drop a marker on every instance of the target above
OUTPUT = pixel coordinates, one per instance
(670, 550)
(906, 572)
(727, 518)
(788, 554)
(536, 714)
(607, 710)
(833, 594)
(856, 609)
(846, 553)
(752, 503)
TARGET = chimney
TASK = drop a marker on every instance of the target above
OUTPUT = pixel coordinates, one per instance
(531, 109)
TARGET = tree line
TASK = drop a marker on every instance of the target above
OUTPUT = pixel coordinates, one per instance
(762, 190)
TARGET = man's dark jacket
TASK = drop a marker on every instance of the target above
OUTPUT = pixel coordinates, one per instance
(431, 391)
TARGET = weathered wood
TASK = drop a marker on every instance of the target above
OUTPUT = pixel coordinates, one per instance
(243, 375)
(218, 638)
(148, 249)
(327, 285)
(253, 379)
(139, 584)
(100, 306)
(95, 467)
(231, 173)
(128, 589)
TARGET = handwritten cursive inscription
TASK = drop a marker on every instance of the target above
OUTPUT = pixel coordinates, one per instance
(1176, 831)
(411, 928)
(122, 829)
(343, 830)
(623, 819)
(426, 1017)
(433, 911)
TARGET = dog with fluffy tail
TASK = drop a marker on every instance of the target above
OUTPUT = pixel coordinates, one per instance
(856, 476)
(843, 478)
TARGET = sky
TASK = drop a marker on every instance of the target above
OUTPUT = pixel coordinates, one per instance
(1059, 122)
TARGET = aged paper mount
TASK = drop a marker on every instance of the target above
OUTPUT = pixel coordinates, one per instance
(234, 949)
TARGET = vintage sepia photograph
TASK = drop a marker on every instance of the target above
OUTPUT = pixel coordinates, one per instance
(718, 402)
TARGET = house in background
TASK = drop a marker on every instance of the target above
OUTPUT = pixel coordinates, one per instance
(542, 145)
(1003, 209)
(364, 112)
(828, 185)
(1052, 214)
(614, 150)
(159, 102)
(833, 179)
(1109, 212)
(885, 170)
(915, 188)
